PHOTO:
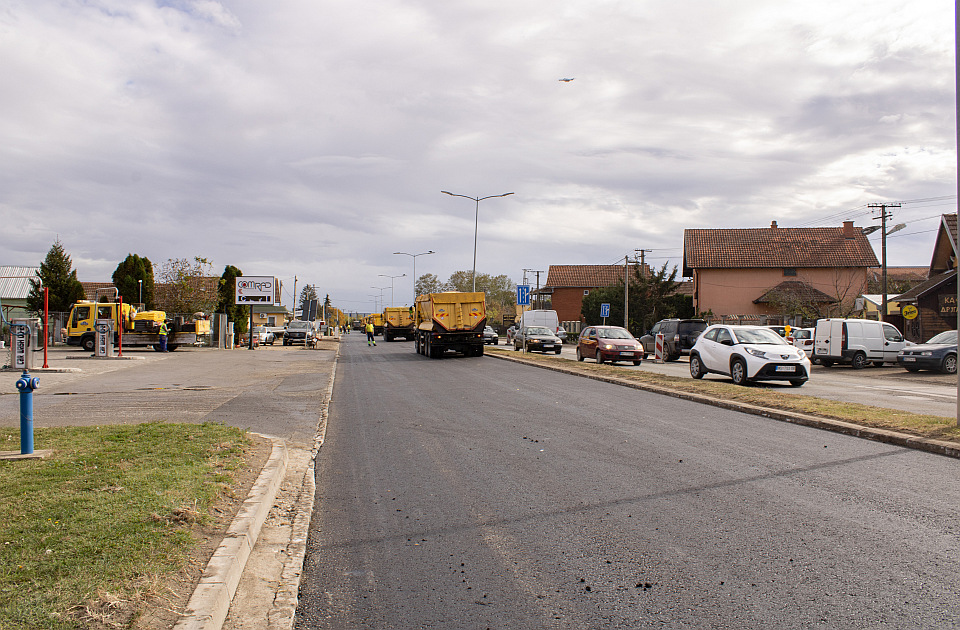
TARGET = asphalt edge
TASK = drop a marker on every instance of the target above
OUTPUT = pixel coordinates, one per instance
(208, 606)
(938, 447)
(284, 610)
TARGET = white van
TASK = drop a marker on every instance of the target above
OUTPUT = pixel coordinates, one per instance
(856, 341)
(543, 317)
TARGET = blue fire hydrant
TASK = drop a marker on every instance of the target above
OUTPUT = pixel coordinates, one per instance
(26, 384)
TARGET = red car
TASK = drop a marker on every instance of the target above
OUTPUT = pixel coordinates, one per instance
(608, 343)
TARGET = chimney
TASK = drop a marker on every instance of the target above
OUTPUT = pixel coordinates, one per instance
(848, 231)
(773, 225)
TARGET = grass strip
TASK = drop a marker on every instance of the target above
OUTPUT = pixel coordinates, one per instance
(88, 532)
(922, 425)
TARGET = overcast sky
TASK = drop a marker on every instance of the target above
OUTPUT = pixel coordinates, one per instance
(312, 138)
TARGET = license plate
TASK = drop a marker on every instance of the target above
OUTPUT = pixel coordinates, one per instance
(786, 368)
(626, 354)
(909, 358)
(821, 350)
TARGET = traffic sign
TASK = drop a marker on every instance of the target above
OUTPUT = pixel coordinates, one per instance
(605, 310)
(523, 295)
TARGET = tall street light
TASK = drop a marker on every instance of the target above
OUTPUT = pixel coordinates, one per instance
(381, 290)
(476, 224)
(383, 275)
(414, 256)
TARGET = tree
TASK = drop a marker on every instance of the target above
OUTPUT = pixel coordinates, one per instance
(184, 289)
(57, 276)
(500, 291)
(128, 277)
(227, 297)
(652, 298)
(428, 283)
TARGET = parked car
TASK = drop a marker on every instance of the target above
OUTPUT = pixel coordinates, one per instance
(803, 339)
(857, 342)
(609, 343)
(537, 338)
(300, 332)
(264, 336)
(679, 335)
(490, 336)
(938, 353)
(780, 330)
(748, 353)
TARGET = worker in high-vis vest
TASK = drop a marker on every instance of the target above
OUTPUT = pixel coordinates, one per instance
(163, 336)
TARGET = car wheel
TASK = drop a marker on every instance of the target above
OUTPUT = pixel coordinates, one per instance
(87, 343)
(579, 355)
(796, 383)
(826, 363)
(599, 357)
(696, 368)
(636, 362)
(643, 356)
(672, 357)
(738, 372)
(859, 361)
(949, 365)
(878, 364)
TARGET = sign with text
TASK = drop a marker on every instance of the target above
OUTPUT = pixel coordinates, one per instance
(256, 290)
(948, 305)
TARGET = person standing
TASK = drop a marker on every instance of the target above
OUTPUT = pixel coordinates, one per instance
(370, 340)
(163, 336)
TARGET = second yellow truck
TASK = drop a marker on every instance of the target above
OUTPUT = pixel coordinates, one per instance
(450, 321)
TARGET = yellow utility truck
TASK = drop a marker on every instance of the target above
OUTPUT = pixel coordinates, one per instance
(377, 320)
(135, 328)
(450, 321)
(398, 322)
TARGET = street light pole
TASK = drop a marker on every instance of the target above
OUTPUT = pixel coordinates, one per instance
(414, 256)
(380, 289)
(383, 275)
(140, 282)
(476, 225)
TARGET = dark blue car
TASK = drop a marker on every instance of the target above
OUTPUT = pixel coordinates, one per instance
(939, 353)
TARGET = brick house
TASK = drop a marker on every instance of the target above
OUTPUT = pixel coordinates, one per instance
(935, 299)
(760, 271)
(567, 285)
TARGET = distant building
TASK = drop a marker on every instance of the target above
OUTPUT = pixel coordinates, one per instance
(935, 299)
(14, 289)
(567, 285)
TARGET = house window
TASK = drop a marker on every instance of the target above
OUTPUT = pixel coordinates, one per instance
(586, 291)
(271, 321)
(790, 271)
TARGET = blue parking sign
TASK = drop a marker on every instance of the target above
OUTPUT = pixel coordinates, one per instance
(605, 310)
(523, 295)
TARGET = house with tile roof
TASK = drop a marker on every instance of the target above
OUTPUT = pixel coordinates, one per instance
(935, 299)
(770, 271)
(567, 285)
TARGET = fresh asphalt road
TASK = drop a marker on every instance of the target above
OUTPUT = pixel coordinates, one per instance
(889, 386)
(480, 493)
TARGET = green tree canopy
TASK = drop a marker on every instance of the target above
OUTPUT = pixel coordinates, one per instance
(428, 283)
(127, 278)
(652, 298)
(57, 275)
(227, 297)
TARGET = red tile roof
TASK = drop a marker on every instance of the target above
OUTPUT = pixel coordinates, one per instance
(795, 290)
(772, 247)
(585, 276)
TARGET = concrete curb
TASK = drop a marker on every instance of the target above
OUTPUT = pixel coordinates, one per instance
(939, 447)
(283, 613)
(210, 602)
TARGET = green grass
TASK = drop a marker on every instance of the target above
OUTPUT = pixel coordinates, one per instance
(104, 518)
(929, 426)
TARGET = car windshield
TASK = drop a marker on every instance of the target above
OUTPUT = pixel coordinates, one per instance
(488, 329)
(759, 335)
(802, 333)
(298, 325)
(613, 333)
(946, 337)
(538, 330)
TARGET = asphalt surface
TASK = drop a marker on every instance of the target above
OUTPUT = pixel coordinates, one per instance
(477, 493)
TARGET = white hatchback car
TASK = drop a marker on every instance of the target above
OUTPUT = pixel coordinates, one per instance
(748, 353)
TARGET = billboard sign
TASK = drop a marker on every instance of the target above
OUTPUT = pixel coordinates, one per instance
(256, 290)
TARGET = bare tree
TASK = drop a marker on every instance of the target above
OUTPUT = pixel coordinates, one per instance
(183, 286)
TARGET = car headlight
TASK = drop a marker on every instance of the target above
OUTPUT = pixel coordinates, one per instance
(926, 353)
(608, 346)
(756, 353)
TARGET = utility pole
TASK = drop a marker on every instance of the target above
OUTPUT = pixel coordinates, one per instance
(539, 298)
(882, 207)
(294, 297)
(641, 252)
(626, 292)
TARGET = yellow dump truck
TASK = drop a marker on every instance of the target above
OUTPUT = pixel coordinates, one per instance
(450, 321)
(131, 327)
(398, 322)
(377, 320)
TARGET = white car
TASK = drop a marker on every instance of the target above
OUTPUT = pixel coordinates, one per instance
(748, 353)
(803, 339)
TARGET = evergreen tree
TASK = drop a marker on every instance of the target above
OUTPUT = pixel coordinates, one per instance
(652, 298)
(57, 276)
(128, 277)
(307, 293)
(227, 297)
